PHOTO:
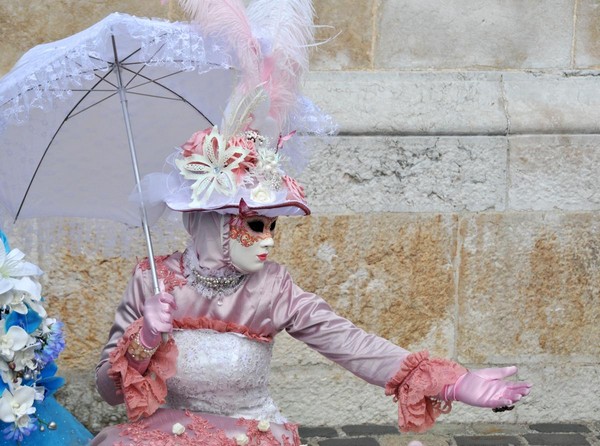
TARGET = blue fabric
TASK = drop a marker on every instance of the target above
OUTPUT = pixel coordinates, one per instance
(68, 432)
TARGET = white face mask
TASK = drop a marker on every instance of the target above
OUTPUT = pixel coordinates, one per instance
(250, 240)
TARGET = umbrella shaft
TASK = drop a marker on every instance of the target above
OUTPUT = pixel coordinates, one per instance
(123, 99)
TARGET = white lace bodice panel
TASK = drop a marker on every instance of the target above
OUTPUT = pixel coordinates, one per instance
(222, 373)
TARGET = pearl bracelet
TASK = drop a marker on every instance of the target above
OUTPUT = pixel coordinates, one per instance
(137, 351)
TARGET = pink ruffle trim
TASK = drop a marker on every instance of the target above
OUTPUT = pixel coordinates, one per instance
(143, 393)
(418, 380)
(194, 323)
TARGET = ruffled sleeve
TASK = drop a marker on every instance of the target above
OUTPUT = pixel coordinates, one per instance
(143, 393)
(413, 387)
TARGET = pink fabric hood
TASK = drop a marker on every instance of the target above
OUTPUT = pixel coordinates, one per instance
(210, 238)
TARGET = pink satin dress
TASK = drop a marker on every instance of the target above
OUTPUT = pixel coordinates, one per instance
(212, 375)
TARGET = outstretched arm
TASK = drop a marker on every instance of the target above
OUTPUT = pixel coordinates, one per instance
(423, 387)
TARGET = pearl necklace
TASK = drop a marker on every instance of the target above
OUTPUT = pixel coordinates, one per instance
(211, 283)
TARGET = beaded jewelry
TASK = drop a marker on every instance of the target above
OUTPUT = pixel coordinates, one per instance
(137, 350)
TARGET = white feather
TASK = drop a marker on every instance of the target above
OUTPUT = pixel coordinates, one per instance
(285, 27)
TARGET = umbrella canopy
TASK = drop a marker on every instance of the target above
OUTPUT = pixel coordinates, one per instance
(63, 134)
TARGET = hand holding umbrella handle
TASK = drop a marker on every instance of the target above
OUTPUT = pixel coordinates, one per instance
(158, 319)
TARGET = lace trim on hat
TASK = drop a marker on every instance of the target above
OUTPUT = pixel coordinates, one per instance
(418, 380)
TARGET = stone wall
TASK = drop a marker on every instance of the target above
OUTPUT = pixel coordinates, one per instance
(457, 210)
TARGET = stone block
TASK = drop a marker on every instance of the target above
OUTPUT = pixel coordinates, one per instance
(461, 34)
(319, 431)
(528, 287)
(362, 441)
(492, 440)
(320, 395)
(26, 24)
(556, 439)
(406, 174)
(411, 103)
(346, 29)
(554, 172)
(566, 102)
(499, 429)
(391, 274)
(571, 384)
(587, 34)
(559, 427)
(356, 430)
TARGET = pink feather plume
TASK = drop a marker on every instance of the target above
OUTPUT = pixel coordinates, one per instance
(227, 19)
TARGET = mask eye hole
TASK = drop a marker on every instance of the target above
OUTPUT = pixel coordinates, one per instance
(272, 227)
(256, 225)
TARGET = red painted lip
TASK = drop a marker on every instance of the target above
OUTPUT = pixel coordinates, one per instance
(262, 257)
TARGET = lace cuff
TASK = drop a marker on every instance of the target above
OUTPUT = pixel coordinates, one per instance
(143, 393)
(414, 386)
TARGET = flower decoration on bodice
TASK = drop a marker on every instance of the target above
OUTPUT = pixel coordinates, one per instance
(29, 343)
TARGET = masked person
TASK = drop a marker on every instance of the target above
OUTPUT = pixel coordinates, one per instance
(223, 302)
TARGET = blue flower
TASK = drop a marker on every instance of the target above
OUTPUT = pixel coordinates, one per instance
(28, 322)
(22, 427)
(54, 345)
(47, 380)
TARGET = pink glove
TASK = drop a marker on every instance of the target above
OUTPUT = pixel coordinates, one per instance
(486, 388)
(158, 318)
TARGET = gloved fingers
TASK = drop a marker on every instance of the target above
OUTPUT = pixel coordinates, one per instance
(496, 372)
(523, 388)
(164, 327)
(166, 298)
(516, 394)
(166, 318)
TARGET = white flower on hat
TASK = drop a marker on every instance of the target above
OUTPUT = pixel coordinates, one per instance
(261, 194)
(214, 169)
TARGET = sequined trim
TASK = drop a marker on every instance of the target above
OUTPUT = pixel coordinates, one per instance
(193, 323)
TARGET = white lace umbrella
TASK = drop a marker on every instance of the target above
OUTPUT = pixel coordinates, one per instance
(73, 111)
